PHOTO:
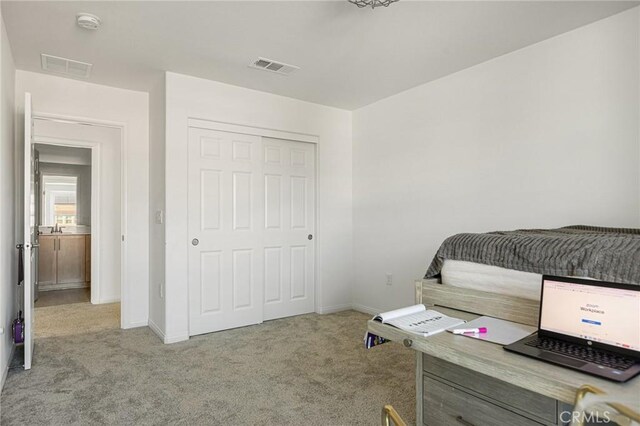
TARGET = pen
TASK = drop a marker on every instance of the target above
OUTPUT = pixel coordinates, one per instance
(469, 330)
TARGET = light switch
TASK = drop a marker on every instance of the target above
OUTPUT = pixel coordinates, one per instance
(159, 217)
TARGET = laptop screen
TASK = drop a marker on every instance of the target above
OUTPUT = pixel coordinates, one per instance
(598, 313)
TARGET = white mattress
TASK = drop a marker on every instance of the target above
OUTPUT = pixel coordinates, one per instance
(491, 278)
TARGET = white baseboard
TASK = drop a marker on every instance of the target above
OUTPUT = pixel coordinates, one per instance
(154, 327)
(365, 309)
(135, 325)
(333, 309)
(175, 339)
(105, 301)
(5, 370)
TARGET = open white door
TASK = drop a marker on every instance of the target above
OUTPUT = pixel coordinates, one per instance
(30, 233)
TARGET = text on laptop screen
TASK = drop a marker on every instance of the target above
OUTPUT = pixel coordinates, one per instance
(601, 314)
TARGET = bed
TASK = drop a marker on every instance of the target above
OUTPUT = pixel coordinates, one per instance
(498, 274)
(512, 262)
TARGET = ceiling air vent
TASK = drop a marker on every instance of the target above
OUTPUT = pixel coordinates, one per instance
(65, 66)
(273, 66)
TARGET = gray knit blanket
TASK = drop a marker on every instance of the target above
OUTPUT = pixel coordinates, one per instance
(607, 254)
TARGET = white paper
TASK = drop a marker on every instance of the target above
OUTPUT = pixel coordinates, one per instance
(397, 313)
(417, 319)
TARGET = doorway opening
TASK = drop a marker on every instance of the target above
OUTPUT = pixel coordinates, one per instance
(78, 199)
(63, 210)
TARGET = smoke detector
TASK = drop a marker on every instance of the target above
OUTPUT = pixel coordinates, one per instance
(88, 21)
(273, 66)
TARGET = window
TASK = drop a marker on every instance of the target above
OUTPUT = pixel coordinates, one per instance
(59, 200)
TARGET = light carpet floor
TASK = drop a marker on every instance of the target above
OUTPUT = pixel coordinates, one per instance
(76, 318)
(305, 370)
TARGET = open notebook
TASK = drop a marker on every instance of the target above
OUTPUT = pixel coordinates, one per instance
(418, 319)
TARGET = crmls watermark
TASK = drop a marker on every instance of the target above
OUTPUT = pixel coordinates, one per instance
(602, 417)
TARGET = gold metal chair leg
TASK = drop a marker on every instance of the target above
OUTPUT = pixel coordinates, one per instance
(390, 416)
(620, 408)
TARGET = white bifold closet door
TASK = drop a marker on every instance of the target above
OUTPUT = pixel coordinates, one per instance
(251, 206)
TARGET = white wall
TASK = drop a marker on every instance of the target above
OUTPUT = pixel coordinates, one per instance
(157, 114)
(8, 268)
(542, 137)
(73, 98)
(189, 97)
(64, 155)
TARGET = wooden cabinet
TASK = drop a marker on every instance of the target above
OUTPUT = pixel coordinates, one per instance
(63, 262)
(452, 394)
(71, 258)
(87, 258)
(445, 404)
(47, 261)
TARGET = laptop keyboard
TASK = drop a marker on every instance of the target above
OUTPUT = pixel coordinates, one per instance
(584, 353)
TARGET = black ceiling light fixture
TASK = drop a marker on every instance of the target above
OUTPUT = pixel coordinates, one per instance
(372, 3)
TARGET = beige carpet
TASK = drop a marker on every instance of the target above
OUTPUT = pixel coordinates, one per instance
(77, 318)
(306, 370)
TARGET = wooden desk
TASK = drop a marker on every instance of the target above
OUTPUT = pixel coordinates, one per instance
(492, 386)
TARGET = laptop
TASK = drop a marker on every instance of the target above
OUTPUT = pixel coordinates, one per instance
(587, 325)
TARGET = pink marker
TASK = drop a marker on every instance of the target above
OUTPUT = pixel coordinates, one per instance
(469, 330)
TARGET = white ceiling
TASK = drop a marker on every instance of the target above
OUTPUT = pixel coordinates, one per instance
(349, 57)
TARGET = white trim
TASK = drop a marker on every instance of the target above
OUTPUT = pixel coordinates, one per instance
(365, 309)
(317, 236)
(125, 322)
(112, 300)
(28, 232)
(175, 339)
(333, 309)
(250, 130)
(137, 324)
(77, 119)
(5, 371)
(152, 325)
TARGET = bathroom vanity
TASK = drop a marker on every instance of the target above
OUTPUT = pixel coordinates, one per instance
(65, 261)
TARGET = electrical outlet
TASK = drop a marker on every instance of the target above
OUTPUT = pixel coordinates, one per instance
(389, 279)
